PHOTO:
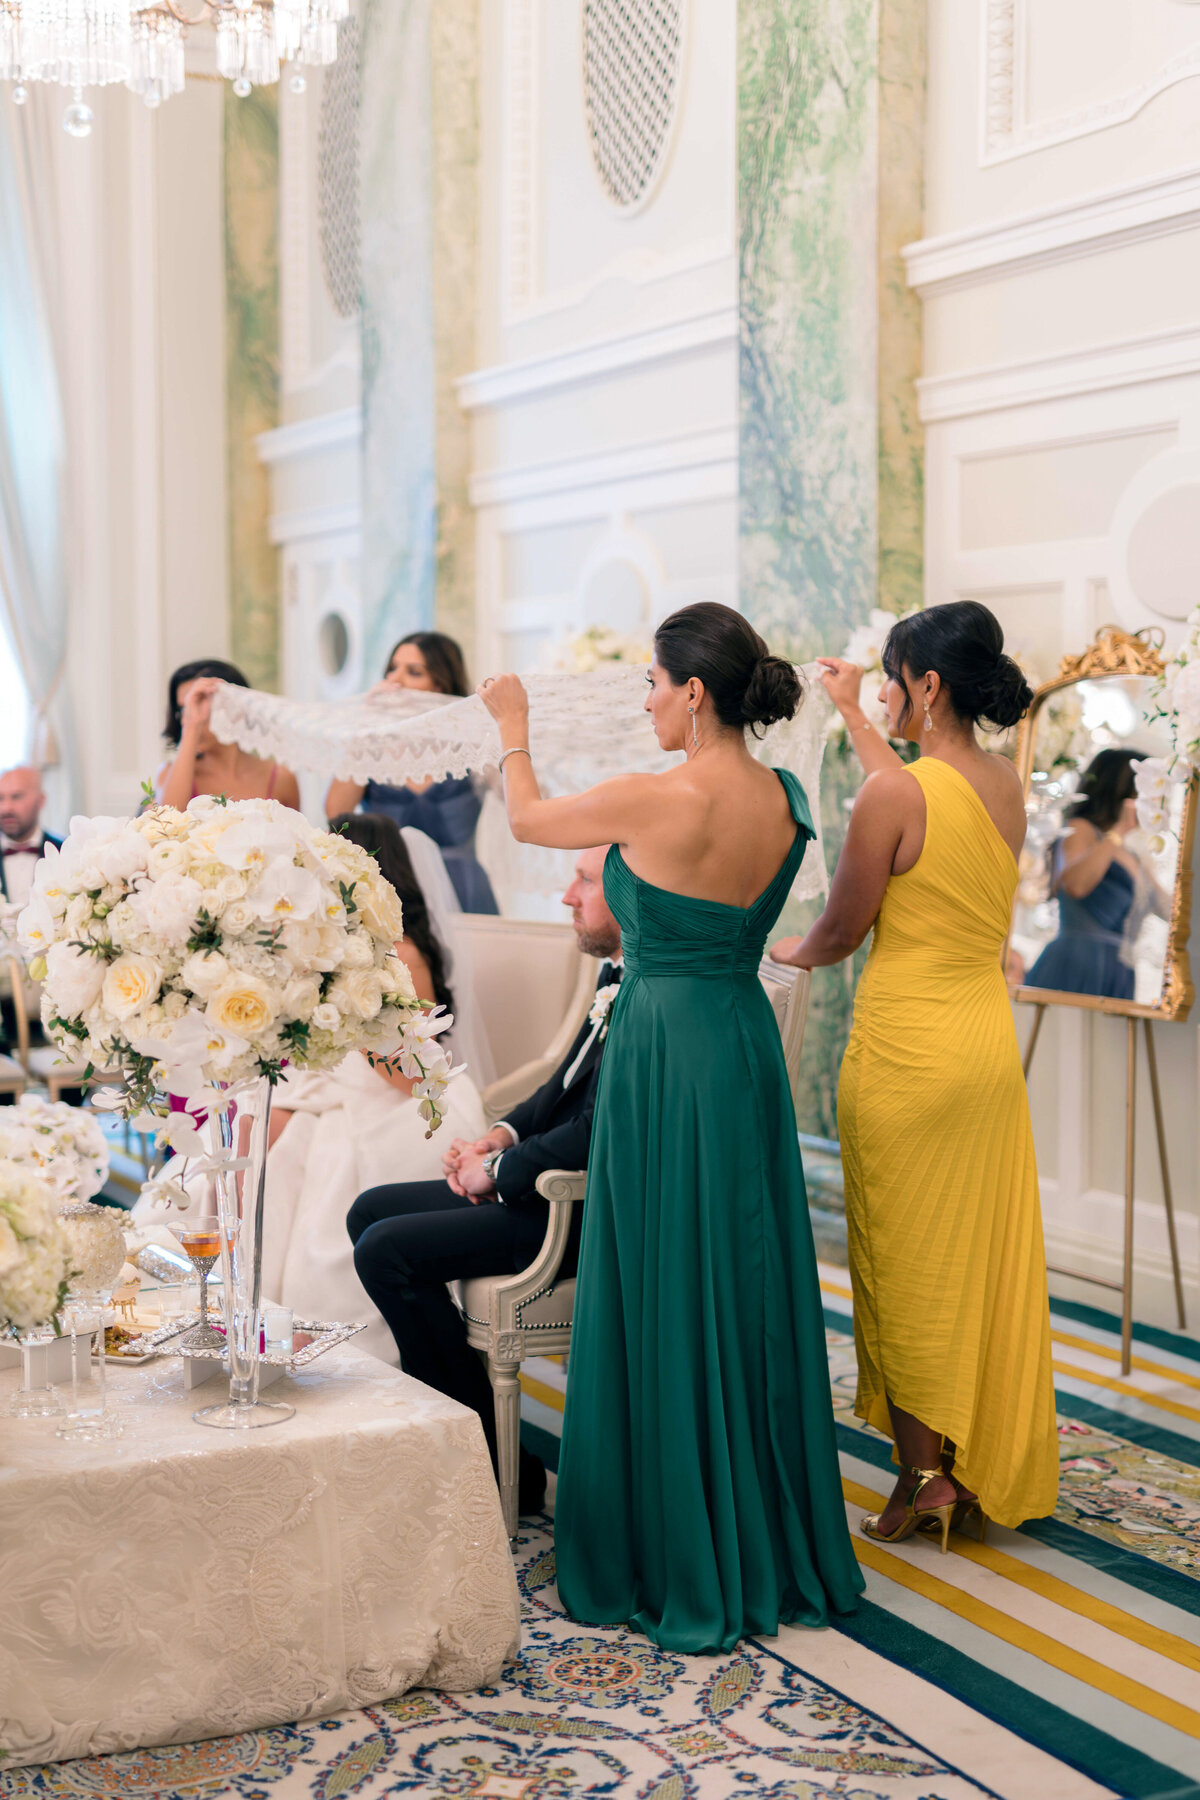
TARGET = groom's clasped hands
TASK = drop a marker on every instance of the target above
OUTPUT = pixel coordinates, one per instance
(463, 1165)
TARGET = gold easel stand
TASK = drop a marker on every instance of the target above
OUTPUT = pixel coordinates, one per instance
(1124, 1287)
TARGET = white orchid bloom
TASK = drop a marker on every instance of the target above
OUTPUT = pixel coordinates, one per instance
(285, 892)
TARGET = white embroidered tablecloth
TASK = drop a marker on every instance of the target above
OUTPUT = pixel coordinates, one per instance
(180, 1582)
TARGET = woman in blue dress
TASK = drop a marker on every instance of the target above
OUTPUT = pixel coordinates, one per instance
(447, 811)
(1096, 882)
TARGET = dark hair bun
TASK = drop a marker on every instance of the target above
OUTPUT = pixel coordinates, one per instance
(774, 692)
(718, 646)
(1004, 694)
(962, 642)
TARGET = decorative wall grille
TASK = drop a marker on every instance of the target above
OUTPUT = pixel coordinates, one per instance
(338, 206)
(631, 85)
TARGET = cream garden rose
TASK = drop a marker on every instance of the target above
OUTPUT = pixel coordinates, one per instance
(131, 983)
(243, 1003)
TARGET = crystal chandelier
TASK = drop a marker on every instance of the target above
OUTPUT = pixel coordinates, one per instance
(91, 43)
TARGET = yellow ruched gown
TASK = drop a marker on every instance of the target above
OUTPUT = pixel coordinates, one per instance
(951, 1316)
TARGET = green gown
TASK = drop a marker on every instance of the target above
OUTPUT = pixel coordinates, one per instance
(699, 1497)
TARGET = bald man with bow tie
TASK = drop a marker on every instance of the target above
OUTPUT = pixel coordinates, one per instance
(22, 840)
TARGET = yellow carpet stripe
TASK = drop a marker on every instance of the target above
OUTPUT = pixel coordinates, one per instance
(831, 1287)
(1024, 1637)
(1127, 1387)
(1050, 1587)
(541, 1390)
(1139, 1362)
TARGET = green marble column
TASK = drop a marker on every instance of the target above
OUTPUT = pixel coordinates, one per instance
(419, 150)
(251, 131)
(831, 115)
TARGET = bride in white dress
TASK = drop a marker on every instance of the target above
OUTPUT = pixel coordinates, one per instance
(335, 1134)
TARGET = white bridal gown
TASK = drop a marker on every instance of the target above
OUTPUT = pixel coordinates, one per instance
(350, 1131)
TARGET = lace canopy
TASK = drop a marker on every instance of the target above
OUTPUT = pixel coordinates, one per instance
(583, 728)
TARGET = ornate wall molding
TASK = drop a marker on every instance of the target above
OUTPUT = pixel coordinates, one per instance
(1104, 221)
(638, 462)
(521, 380)
(1130, 362)
(1007, 129)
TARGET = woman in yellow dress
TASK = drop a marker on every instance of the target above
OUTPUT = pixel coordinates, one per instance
(951, 1316)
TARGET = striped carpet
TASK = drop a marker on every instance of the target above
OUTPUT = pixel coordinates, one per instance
(1079, 1634)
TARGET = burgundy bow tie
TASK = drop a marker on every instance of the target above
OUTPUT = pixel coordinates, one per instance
(22, 849)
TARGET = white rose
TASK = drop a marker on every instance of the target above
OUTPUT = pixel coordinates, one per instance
(244, 1004)
(359, 951)
(325, 1017)
(379, 908)
(167, 909)
(397, 980)
(130, 983)
(358, 993)
(73, 978)
(204, 971)
(120, 858)
(301, 996)
(168, 857)
(238, 918)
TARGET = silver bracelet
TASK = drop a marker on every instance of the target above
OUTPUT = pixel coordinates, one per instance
(517, 750)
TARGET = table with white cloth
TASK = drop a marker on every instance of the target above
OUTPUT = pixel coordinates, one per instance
(179, 1582)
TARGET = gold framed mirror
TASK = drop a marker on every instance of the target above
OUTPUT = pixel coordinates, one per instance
(1102, 912)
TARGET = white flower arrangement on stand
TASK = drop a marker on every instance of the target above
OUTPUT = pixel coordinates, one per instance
(1158, 778)
(63, 1145)
(587, 650)
(200, 953)
(34, 1254)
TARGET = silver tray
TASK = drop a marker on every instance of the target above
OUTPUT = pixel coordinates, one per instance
(326, 1335)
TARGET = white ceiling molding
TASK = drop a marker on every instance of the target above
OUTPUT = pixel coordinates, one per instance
(1008, 131)
(634, 463)
(1054, 234)
(1159, 356)
(507, 382)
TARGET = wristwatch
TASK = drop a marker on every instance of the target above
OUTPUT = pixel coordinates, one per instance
(490, 1163)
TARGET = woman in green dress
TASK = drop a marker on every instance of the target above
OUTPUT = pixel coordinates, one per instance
(699, 1497)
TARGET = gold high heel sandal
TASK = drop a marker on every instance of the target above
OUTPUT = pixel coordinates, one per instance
(962, 1513)
(913, 1519)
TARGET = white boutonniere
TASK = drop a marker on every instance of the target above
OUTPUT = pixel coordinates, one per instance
(602, 1006)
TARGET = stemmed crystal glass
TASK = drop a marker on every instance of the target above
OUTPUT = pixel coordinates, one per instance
(200, 1239)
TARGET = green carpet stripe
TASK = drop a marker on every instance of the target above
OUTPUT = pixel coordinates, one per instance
(1125, 1425)
(1135, 1571)
(1104, 1759)
(1154, 1335)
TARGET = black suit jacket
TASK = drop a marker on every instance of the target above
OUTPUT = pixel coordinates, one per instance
(555, 1124)
(46, 839)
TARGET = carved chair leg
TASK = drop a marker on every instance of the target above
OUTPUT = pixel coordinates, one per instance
(506, 1389)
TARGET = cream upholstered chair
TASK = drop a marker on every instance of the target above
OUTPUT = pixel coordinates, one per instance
(523, 977)
(512, 1317)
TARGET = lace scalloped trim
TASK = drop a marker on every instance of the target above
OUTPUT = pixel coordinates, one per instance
(583, 728)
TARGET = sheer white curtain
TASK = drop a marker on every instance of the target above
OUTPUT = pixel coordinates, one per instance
(33, 516)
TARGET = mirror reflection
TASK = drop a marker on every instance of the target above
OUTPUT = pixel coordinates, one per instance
(1093, 906)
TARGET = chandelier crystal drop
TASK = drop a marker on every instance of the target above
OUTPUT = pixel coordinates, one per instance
(92, 43)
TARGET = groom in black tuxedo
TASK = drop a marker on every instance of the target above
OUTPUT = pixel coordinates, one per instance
(486, 1217)
(22, 840)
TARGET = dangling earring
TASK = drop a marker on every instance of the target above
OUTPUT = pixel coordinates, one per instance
(692, 717)
(928, 719)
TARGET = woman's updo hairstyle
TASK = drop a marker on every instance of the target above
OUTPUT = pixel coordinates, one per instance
(1104, 787)
(716, 645)
(963, 643)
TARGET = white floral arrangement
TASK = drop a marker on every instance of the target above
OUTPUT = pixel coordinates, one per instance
(602, 1005)
(194, 951)
(587, 650)
(1063, 740)
(1178, 697)
(64, 1145)
(34, 1255)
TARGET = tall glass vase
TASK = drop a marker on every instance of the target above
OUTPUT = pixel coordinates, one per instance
(241, 1220)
